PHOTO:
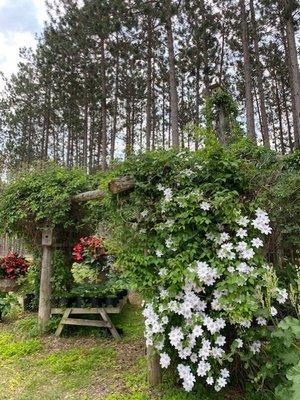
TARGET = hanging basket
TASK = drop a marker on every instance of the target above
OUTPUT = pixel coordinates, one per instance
(8, 285)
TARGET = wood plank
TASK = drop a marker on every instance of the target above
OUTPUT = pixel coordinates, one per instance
(113, 330)
(61, 324)
(44, 312)
(86, 322)
(154, 368)
(93, 310)
(109, 310)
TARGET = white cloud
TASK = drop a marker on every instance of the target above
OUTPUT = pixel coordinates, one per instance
(9, 49)
(12, 40)
(41, 10)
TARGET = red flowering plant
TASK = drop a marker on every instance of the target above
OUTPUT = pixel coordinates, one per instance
(90, 250)
(90, 260)
(13, 266)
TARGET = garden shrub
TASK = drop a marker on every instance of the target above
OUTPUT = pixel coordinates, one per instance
(280, 363)
(191, 237)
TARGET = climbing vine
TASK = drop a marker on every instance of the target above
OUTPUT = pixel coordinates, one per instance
(191, 237)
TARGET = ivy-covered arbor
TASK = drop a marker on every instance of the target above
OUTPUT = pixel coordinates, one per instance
(48, 208)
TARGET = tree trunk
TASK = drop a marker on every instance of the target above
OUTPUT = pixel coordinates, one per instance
(294, 65)
(247, 74)
(172, 77)
(103, 106)
(85, 133)
(114, 130)
(279, 111)
(260, 87)
(223, 130)
(197, 115)
(292, 90)
(287, 117)
(222, 55)
(149, 83)
(163, 118)
(128, 148)
(132, 135)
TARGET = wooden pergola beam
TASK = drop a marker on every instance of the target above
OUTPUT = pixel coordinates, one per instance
(115, 186)
(86, 196)
(120, 185)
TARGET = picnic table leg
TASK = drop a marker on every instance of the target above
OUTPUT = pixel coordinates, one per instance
(61, 324)
(111, 327)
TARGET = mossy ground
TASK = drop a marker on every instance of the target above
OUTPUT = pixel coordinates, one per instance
(88, 366)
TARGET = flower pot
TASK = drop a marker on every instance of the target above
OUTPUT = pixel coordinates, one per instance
(8, 285)
(30, 303)
(112, 301)
(122, 294)
(55, 302)
(62, 302)
(135, 299)
(101, 302)
(98, 302)
(82, 302)
(72, 301)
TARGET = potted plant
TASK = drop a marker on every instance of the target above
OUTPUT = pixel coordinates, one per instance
(12, 267)
(90, 254)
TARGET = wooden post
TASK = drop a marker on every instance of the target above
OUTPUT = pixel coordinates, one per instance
(45, 284)
(154, 369)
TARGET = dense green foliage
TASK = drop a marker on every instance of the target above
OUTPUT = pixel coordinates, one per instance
(241, 172)
(42, 195)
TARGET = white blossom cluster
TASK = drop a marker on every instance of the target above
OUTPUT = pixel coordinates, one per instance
(200, 309)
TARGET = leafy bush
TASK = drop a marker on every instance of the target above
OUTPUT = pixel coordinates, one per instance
(44, 195)
(280, 363)
(90, 260)
(83, 273)
(189, 238)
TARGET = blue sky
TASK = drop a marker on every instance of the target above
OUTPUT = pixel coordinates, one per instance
(20, 21)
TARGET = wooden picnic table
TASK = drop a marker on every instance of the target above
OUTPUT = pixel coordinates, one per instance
(104, 322)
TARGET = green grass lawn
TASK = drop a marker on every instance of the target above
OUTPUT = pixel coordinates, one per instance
(83, 365)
